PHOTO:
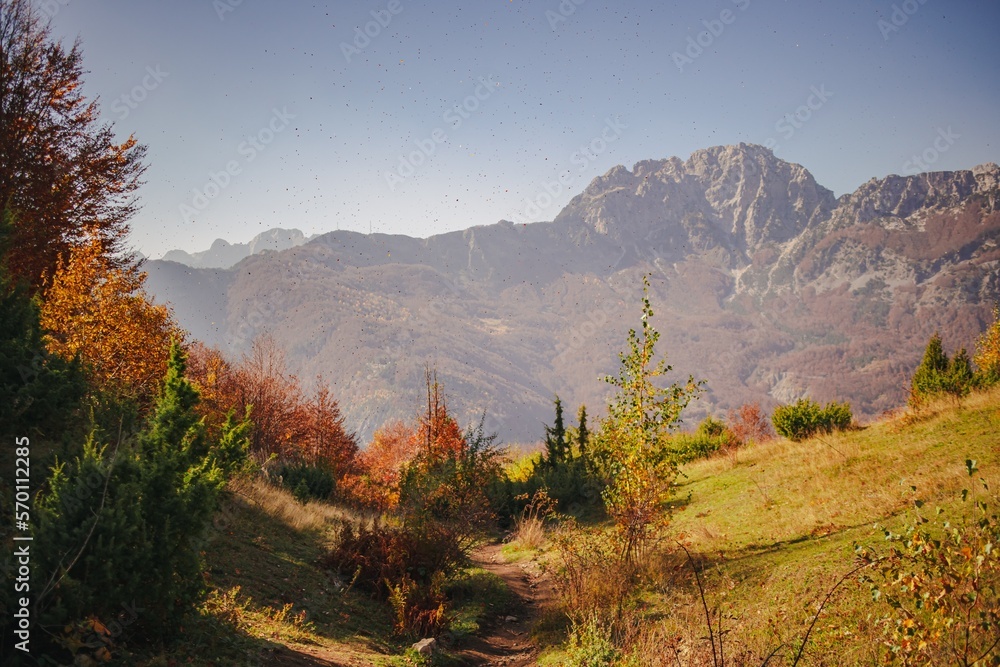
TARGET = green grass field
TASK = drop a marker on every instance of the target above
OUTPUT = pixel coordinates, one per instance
(773, 527)
(776, 527)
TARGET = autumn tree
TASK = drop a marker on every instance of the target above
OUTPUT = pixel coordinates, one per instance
(62, 173)
(325, 441)
(749, 424)
(443, 490)
(382, 462)
(263, 383)
(439, 433)
(99, 312)
(215, 378)
(987, 357)
(632, 443)
(300, 430)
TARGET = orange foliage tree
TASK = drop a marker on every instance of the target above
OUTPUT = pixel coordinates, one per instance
(214, 377)
(62, 173)
(100, 312)
(444, 490)
(988, 352)
(437, 432)
(324, 439)
(392, 447)
(262, 382)
(287, 423)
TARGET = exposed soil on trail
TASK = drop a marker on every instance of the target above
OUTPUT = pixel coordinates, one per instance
(500, 642)
(504, 642)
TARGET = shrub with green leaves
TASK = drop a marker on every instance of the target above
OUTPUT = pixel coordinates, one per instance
(308, 482)
(590, 645)
(711, 436)
(632, 446)
(806, 418)
(941, 581)
(574, 485)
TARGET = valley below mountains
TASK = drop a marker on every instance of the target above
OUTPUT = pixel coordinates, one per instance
(763, 283)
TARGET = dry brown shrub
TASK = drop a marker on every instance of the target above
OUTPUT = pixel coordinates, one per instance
(529, 526)
(594, 581)
(749, 423)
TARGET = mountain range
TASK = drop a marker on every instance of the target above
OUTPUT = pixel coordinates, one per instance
(224, 254)
(763, 283)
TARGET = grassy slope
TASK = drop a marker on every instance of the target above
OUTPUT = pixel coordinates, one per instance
(777, 529)
(268, 593)
(778, 526)
(270, 600)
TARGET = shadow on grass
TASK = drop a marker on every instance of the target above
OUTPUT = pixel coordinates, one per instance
(275, 569)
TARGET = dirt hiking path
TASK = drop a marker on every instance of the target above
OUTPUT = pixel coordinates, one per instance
(503, 642)
(500, 642)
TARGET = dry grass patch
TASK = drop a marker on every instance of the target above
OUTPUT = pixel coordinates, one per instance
(283, 506)
(260, 621)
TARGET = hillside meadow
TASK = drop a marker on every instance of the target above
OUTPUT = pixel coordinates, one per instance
(772, 529)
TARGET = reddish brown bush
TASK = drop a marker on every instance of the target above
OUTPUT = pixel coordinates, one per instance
(750, 424)
(287, 423)
(399, 565)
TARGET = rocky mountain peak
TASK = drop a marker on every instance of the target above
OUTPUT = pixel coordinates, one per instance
(894, 199)
(736, 198)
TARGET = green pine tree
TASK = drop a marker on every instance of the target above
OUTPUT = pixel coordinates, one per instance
(582, 432)
(40, 394)
(556, 446)
(123, 524)
(931, 376)
(960, 376)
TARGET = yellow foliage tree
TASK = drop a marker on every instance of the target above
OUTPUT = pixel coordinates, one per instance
(988, 351)
(632, 443)
(99, 311)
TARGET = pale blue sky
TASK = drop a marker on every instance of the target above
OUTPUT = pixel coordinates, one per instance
(201, 77)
